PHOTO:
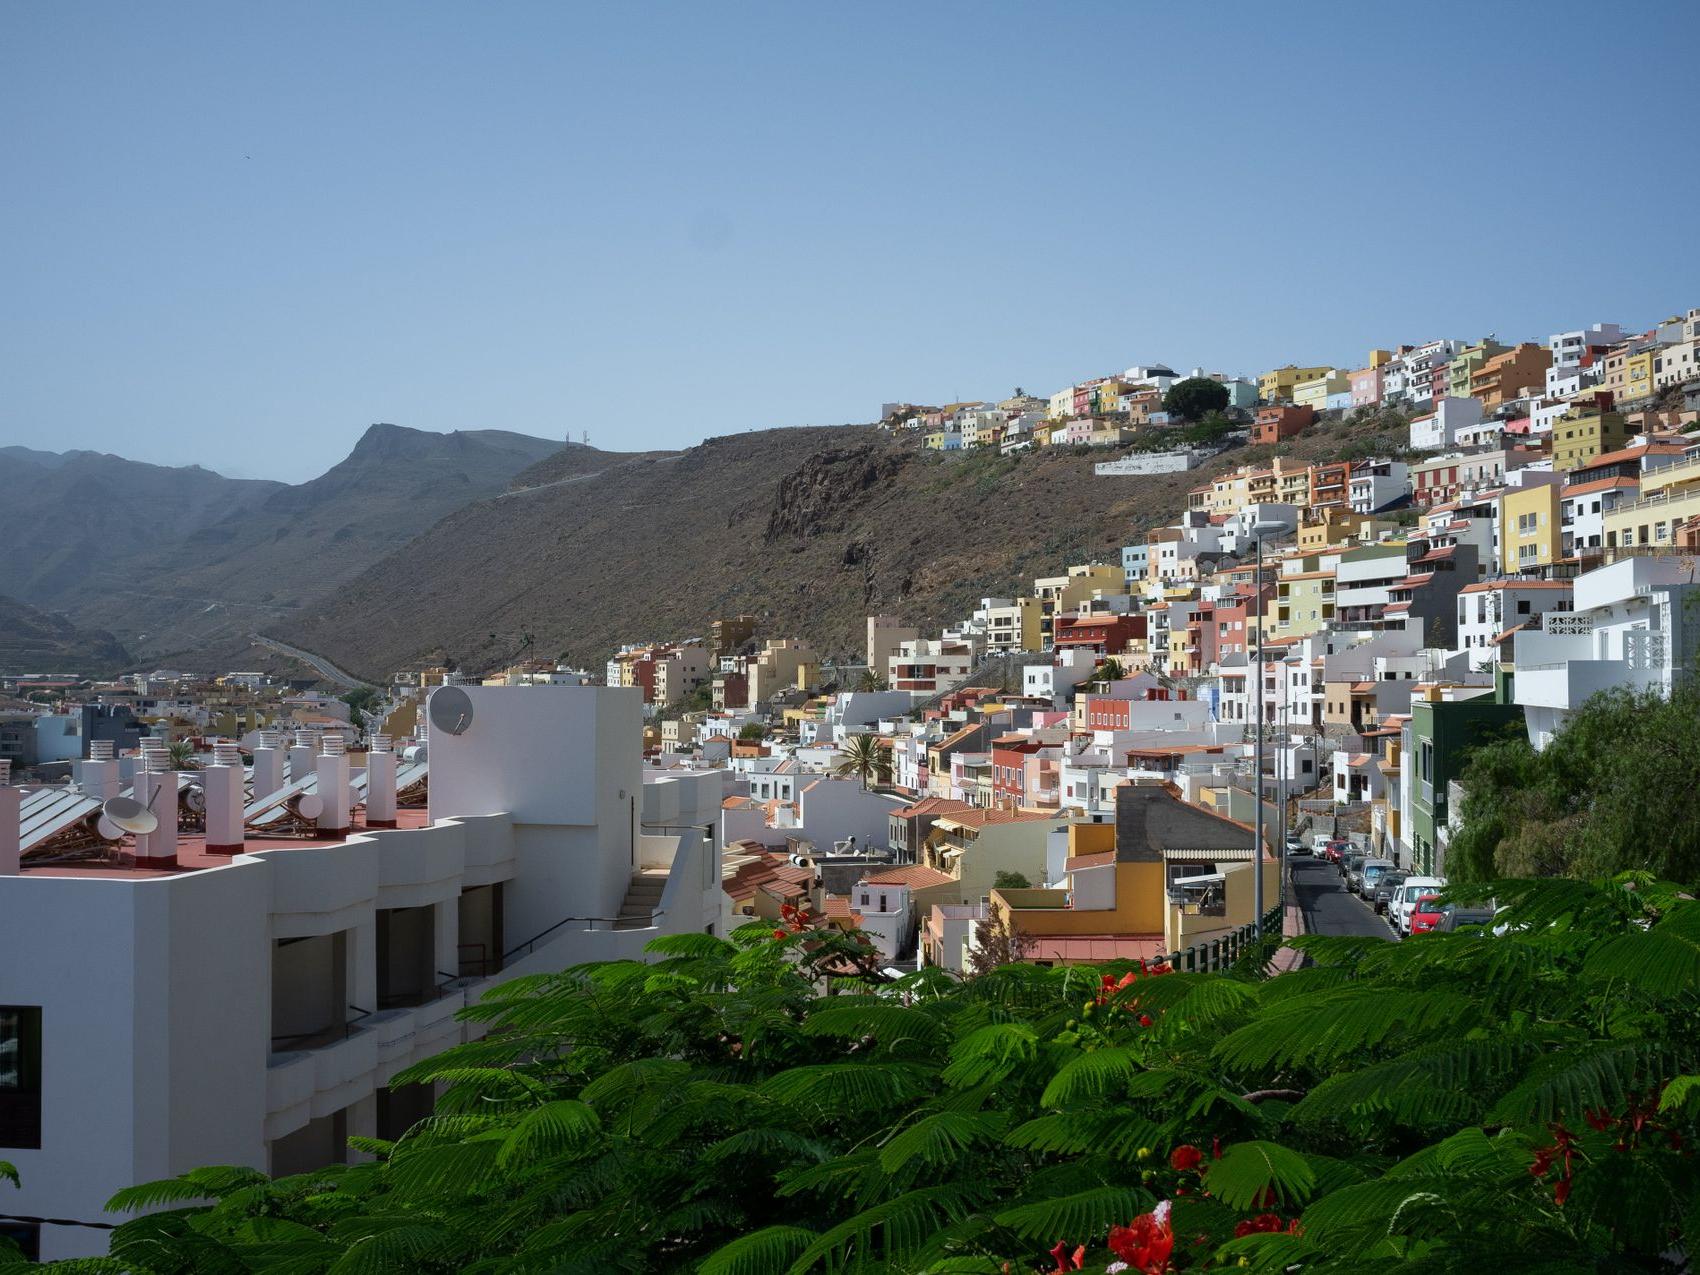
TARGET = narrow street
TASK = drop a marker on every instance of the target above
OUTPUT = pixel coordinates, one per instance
(1327, 906)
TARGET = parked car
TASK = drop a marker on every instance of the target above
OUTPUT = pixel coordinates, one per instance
(1399, 911)
(1350, 863)
(1425, 916)
(1369, 873)
(1386, 886)
(1455, 916)
(1319, 850)
(1334, 851)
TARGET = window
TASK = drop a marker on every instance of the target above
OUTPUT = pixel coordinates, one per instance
(20, 1077)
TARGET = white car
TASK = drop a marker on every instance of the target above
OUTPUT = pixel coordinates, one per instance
(1405, 902)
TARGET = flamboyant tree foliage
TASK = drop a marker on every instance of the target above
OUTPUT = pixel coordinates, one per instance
(1459, 1102)
(1617, 790)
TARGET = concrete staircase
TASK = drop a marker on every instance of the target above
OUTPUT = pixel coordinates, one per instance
(643, 900)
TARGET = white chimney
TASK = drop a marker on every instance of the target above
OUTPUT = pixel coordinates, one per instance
(380, 783)
(100, 771)
(301, 755)
(10, 821)
(333, 784)
(156, 788)
(222, 784)
(268, 764)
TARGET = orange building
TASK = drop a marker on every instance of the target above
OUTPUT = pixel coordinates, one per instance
(1517, 372)
(1279, 421)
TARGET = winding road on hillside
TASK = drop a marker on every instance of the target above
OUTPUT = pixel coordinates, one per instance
(575, 478)
(318, 663)
(1327, 906)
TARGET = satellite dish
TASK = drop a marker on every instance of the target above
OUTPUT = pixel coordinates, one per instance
(129, 815)
(309, 805)
(196, 800)
(108, 830)
(451, 710)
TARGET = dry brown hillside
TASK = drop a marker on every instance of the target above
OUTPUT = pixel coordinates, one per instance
(811, 529)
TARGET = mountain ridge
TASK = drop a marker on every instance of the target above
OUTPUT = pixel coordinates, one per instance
(177, 560)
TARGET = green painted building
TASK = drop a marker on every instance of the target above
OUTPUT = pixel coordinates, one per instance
(1437, 742)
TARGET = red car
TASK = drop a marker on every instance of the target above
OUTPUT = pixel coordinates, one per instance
(1425, 917)
(1336, 850)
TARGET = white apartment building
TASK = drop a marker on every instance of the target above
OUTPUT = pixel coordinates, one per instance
(1440, 428)
(928, 667)
(238, 997)
(1375, 484)
(1489, 608)
(1409, 377)
(1631, 625)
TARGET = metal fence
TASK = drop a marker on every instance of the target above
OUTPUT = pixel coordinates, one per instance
(1219, 954)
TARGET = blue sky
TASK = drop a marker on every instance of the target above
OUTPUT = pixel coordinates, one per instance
(236, 234)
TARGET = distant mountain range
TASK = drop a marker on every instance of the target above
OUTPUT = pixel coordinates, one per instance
(36, 642)
(180, 561)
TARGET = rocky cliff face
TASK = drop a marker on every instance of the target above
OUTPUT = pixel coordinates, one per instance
(823, 493)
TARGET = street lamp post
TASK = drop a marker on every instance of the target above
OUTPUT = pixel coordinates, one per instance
(1258, 530)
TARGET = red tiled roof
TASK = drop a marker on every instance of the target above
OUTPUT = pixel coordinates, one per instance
(916, 876)
(1087, 949)
(975, 817)
(932, 806)
(1101, 859)
(1489, 586)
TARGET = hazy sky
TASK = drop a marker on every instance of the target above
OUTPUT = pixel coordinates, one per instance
(238, 233)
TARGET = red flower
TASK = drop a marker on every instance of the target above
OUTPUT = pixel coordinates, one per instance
(1067, 1261)
(1145, 1244)
(1263, 1223)
(779, 934)
(1600, 1120)
(1145, 1020)
(1215, 1148)
(1128, 979)
(1562, 1192)
(1185, 1158)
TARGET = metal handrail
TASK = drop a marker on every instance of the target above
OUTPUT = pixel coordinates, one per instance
(531, 943)
(336, 1032)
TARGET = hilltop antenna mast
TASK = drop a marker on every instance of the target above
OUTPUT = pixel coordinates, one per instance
(587, 438)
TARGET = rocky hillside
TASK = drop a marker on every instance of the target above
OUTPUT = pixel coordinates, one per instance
(33, 641)
(809, 528)
(182, 561)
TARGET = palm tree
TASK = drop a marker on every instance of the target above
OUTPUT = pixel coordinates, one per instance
(866, 756)
(870, 681)
(182, 754)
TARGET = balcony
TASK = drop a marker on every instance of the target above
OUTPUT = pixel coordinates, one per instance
(1569, 684)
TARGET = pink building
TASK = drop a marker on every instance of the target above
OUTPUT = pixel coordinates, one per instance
(1366, 387)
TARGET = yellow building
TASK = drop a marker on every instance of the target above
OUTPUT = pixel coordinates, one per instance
(1313, 392)
(1120, 901)
(1303, 603)
(1638, 378)
(1042, 432)
(1529, 527)
(1669, 505)
(1277, 386)
(1580, 438)
(1015, 627)
(1333, 527)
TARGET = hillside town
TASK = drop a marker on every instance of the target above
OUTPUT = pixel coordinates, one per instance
(1122, 760)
